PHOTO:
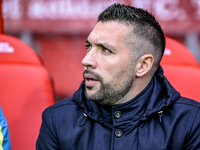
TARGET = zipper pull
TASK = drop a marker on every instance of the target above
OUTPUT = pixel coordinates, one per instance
(82, 120)
(160, 113)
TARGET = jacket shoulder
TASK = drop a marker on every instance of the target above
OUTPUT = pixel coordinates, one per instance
(192, 110)
(63, 103)
(188, 101)
(61, 109)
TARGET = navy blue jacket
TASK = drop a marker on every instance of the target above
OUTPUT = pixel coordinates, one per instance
(157, 119)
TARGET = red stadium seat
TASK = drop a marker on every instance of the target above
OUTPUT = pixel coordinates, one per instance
(177, 54)
(181, 69)
(25, 91)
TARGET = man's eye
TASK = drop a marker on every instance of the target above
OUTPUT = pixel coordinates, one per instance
(88, 47)
(105, 50)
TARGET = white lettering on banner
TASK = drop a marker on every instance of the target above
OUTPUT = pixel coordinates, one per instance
(196, 4)
(65, 9)
(165, 10)
(145, 4)
(6, 48)
(12, 9)
(168, 10)
(167, 52)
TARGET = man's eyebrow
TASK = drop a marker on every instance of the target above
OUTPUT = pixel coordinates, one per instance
(102, 45)
(106, 45)
(87, 41)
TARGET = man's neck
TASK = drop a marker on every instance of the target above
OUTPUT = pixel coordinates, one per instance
(138, 86)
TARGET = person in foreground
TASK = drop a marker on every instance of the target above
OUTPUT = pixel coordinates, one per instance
(125, 102)
(5, 143)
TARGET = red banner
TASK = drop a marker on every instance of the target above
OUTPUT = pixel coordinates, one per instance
(1, 19)
(79, 16)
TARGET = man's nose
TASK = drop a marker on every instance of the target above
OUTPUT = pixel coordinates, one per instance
(90, 59)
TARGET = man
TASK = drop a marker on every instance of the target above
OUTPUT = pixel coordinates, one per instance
(125, 102)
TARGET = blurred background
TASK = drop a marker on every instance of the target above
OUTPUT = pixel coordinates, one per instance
(57, 29)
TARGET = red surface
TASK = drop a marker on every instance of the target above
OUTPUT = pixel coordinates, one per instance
(26, 90)
(1, 18)
(79, 16)
(177, 54)
(181, 69)
(185, 79)
(13, 50)
(62, 56)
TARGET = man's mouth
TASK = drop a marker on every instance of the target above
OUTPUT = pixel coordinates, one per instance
(90, 79)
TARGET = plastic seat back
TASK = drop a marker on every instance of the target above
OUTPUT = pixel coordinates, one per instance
(26, 89)
(181, 69)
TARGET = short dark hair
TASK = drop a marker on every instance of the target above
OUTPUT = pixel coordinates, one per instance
(144, 25)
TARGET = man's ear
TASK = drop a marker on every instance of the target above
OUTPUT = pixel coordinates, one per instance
(144, 65)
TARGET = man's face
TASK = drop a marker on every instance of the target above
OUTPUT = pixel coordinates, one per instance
(108, 71)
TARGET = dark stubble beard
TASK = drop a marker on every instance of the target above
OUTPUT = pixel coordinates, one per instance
(110, 93)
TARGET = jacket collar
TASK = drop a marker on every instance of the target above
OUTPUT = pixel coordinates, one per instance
(158, 95)
(163, 94)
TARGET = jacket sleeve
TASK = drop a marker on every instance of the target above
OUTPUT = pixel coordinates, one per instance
(193, 138)
(4, 133)
(47, 138)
